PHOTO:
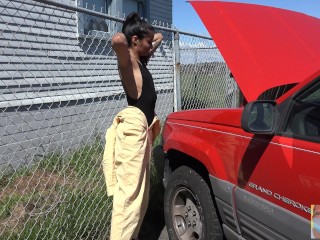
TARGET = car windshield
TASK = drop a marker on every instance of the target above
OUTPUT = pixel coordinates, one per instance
(276, 92)
(304, 121)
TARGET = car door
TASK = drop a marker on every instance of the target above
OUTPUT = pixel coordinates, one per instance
(278, 205)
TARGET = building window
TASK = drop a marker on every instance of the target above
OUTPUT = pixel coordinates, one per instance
(97, 26)
(133, 6)
(93, 25)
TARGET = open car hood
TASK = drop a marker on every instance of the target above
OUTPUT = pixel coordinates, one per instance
(264, 47)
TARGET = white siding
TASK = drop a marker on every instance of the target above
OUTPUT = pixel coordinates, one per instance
(161, 10)
(42, 58)
(58, 89)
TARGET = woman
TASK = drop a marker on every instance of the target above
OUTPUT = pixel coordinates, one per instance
(129, 139)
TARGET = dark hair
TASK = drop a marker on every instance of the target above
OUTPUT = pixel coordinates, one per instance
(135, 25)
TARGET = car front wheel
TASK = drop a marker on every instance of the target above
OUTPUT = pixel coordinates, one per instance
(189, 209)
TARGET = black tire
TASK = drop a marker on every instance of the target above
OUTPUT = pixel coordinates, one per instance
(189, 208)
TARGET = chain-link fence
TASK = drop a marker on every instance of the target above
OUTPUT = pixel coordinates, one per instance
(206, 81)
(59, 91)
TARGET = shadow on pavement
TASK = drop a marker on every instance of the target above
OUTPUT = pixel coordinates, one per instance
(153, 223)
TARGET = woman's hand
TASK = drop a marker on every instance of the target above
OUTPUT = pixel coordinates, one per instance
(156, 42)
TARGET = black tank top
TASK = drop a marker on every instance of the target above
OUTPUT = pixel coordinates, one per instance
(147, 100)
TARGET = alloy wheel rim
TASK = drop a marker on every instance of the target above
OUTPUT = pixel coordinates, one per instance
(185, 215)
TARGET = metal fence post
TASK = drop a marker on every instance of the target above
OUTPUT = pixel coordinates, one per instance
(176, 77)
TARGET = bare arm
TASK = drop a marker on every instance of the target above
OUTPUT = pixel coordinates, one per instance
(120, 45)
(156, 42)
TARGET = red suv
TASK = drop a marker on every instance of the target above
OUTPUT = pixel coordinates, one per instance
(251, 172)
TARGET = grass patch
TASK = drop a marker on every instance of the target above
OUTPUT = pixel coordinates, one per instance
(60, 197)
(89, 221)
(64, 197)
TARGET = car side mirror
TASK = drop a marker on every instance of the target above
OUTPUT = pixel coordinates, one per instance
(259, 117)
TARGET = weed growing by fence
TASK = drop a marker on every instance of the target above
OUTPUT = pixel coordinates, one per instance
(61, 197)
(64, 197)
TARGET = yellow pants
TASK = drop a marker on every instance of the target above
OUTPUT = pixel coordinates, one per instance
(133, 144)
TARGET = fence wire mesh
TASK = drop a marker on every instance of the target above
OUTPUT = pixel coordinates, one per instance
(206, 81)
(59, 91)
